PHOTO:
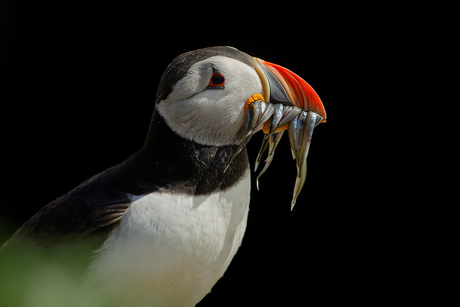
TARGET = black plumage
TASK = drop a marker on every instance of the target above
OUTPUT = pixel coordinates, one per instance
(166, 162)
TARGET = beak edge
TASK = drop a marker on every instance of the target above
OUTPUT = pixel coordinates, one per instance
(297, 90)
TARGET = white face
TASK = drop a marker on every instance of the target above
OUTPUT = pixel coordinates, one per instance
(211, 116)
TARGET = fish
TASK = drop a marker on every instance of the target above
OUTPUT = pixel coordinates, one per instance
(274, 120)
(273, 141)
(306, 124)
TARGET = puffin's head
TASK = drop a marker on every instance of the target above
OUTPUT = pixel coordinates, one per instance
(221, 96)
(202, 93)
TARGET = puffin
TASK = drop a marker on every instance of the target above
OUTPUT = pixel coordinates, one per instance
(161, 227)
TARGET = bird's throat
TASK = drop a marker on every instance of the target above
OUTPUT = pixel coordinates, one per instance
(191, 168)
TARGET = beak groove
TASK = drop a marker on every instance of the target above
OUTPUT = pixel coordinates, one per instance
(283, 86)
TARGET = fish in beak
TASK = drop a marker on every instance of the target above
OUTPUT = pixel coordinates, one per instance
(288, 103)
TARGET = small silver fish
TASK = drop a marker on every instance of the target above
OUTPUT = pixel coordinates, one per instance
(306, 132)
(273, 119)
(258, 113)
(262, 150)
(273, 141)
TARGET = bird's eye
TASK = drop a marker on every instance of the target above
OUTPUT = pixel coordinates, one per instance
(217, 81)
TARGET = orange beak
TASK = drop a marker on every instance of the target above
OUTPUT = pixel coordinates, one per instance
(281, 85)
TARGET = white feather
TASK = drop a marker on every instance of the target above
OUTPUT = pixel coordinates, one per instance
(211, 116)
(170, 249)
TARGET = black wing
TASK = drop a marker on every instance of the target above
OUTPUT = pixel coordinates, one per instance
(96, 204)
(166, 162)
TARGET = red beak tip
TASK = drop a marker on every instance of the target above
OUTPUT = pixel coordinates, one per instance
(299, 91)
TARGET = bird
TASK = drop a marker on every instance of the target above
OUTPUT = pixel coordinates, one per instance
(162, 226)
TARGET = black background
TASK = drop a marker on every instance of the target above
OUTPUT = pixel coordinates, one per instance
(381, 200)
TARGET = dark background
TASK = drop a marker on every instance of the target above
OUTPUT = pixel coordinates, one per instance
(381, 200)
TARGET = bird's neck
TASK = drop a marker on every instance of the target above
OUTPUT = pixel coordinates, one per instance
(172, 162)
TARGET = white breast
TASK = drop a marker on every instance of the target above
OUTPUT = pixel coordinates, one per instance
(170, 249)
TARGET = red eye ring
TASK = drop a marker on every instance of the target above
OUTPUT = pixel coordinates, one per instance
(217, 80)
